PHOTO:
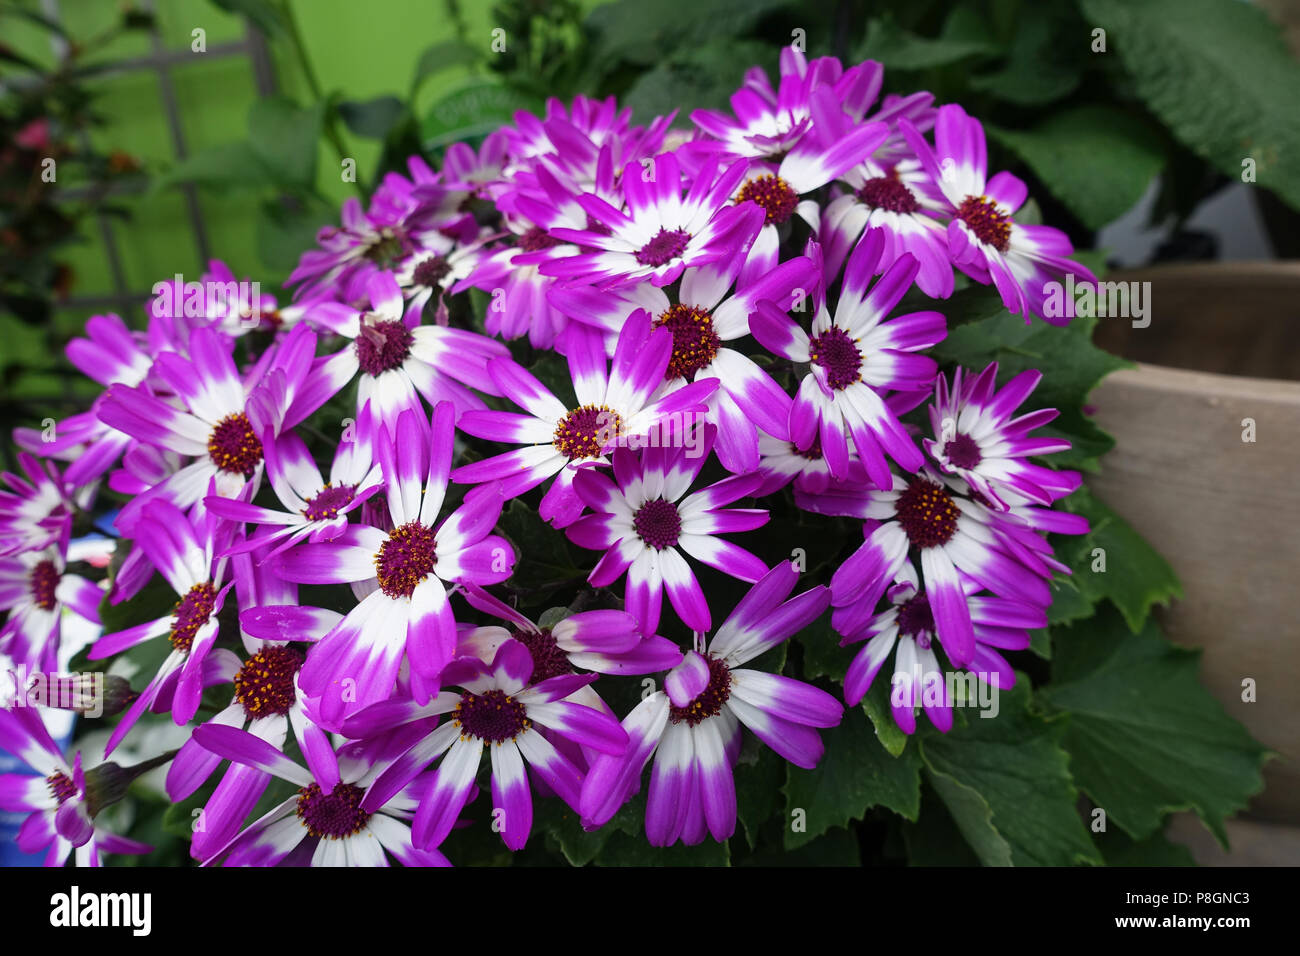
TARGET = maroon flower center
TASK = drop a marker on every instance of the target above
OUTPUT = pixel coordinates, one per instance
(813, 452)
(382, 346)
(406, 559)
(981, 214)
(772, 193)
(335, 815)
(431, 272)
(585, 431)
(264, 685)
(889, 193)
(710, 700)
(927, 513)
(658, 523)
(915, 617)
(536, 239)
(548, 659)
(234, 447)
(191, 613)
(45, 580)
(384, 249)
(663, 248)
(963, 451)
(61, 786)
(695, 344)
(329, 501)
(491, 716)
(838, 356)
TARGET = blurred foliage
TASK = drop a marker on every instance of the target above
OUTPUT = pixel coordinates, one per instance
(52, 181)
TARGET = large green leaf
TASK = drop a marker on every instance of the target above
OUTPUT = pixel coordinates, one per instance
(934, 839)
(372, 118)
(633, 31)
(1006, 782)
(897, 49)
(1135, 576)
(1145, 738)
(759, 774)
(286, 138)
(1044, 60)
(286, 226)
(1156, 850)
(225, 166)
(1218, 73)
(442, 56)
(1098, 160)
(855, 774)
(263, 14)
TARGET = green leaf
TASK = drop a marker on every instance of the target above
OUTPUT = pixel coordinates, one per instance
(1219, 75)
(898, 49)
(1156, 850)
(226, 166)
(285, 227)
(439, 57)
(822, 654)
(372, 118)
(1145, 738)
(839, 847)
(855, 774)
(1098, 160)
(934, 839)
(263, 14)
(1068, 604)
(636, 32)
(876, 706)
(1044, 61)
(286, 138)
(973, 818)
(475, 109)
(625, 849)
(560, 823)
(1135, 576)
(1006, 782)
(542, 558)
(759, 774)
(694, 77)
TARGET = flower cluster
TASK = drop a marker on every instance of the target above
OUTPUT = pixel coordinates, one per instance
(320, 486)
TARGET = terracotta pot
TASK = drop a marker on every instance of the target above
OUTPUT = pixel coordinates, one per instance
(1222, 351)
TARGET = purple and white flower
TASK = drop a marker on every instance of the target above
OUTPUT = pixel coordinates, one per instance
(855, 357)
(615, 406)
(984, 239)
(323, 824)
(398, 574)
(662, 232)
(980, 442)
(61, 817)
(644, 520)
(496, 709)
(692, 726)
